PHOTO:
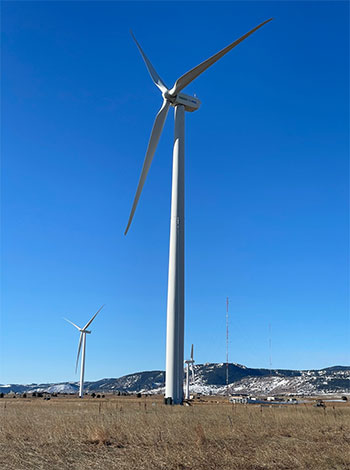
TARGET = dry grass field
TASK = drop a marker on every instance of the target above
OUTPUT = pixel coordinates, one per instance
(125, 433)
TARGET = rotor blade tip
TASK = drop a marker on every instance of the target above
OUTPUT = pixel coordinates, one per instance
(127, 227)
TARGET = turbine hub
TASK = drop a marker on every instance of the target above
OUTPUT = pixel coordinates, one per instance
(167, 96)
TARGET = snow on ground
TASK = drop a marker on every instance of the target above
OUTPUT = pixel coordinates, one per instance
(62, 388)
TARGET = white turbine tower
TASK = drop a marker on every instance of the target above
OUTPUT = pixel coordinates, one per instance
(175, 305)
(189, 363)
(82, 339)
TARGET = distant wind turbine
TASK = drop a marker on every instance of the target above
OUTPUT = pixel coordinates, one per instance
(189, 363)
(82, 339)
(175, 306)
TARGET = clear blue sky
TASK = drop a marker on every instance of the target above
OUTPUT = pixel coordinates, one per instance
(266, 185)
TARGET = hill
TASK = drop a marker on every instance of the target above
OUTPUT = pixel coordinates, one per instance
(210, 378)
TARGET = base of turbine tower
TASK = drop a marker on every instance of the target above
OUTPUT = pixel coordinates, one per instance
(170, 401)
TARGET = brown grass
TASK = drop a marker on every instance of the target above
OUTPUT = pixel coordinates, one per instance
(144, 434)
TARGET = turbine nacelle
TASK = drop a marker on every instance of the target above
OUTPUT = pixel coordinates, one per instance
(191, 103)
(86, 331)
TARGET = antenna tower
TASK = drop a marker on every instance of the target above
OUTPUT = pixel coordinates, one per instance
(270, 355)
(227, 346)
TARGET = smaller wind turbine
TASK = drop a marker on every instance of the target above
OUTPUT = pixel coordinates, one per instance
(82, 339)
(189, 363)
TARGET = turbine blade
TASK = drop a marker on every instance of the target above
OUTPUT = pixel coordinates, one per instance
(192, 373)
(152, 145)
(92, 319)
(72, 323)
(192, 352)
(152, 71)
(79, 347)
(188, 77)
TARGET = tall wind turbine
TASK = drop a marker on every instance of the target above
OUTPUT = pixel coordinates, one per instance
(189, 364)
(175, 305)
(82, 339)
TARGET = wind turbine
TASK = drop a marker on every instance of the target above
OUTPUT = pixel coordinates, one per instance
(189, 363)
(82, 339)
(175, 304)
